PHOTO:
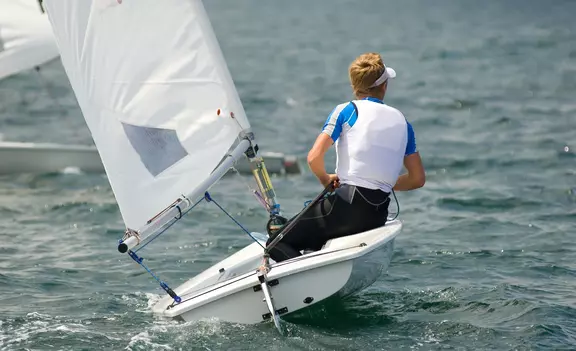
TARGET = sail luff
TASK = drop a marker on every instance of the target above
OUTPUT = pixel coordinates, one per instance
(212, 41)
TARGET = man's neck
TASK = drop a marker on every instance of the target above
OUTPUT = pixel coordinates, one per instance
(361, 97)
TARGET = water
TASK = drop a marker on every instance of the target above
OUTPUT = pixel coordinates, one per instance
(486, 259)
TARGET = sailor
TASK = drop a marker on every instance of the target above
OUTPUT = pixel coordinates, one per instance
(373, 141)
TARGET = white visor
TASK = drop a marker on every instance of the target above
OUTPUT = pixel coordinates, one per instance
(388, 73)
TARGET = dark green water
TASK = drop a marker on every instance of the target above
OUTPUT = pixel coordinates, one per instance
(486, 258)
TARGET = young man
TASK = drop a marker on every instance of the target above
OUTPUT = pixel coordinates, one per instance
(373, 141)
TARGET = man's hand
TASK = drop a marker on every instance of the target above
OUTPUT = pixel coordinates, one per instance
(331, 179)
(416, 176)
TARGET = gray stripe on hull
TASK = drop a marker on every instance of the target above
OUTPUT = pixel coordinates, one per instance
(367, 269)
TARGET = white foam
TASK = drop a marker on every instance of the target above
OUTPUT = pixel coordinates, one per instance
(291, 102)
(144, 338)
(72, 170)
(63, 328)
(38, 315)
(152, 299)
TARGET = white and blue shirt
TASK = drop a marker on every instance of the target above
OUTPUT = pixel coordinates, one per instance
(371, 143)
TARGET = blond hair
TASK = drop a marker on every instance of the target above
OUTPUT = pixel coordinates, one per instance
(364, 71)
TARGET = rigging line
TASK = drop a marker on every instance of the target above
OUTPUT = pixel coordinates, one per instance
(237, 122)
(182, 214)
(162, 284)
(242, 179)
(210, 199)
(397, 205)
(255, 192)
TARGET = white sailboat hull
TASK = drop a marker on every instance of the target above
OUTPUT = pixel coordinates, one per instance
(17, 157)
(343, 267)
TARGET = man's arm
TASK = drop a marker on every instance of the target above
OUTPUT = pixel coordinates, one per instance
(316, 158)
(330, 133)
(415, 178)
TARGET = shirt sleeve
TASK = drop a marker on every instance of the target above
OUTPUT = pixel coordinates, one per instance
(335, 121)
(411, 145)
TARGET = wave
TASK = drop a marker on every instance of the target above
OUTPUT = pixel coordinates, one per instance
(487, 204)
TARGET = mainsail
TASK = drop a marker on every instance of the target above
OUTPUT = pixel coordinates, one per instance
(26, 39)
(156, 94)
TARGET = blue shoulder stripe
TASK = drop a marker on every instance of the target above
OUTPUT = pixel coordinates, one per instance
(353, 115)
(336, 120)
(411, 145)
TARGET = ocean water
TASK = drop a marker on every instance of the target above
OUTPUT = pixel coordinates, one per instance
(486, 257)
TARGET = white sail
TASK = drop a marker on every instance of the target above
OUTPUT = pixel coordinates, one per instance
(26, 39)
(155, 91)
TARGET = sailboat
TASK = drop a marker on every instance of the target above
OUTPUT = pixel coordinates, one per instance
(26, 43)
(156, 93)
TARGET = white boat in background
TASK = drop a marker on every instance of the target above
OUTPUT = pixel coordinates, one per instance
(163, 111)
(16, 158)
(26, 39)
(26, 43)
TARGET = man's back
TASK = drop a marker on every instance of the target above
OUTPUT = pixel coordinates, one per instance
(372, 146)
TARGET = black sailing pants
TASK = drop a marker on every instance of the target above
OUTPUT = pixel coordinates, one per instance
(349, 210)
